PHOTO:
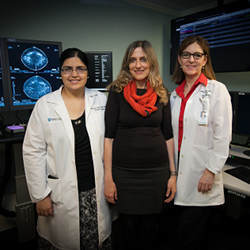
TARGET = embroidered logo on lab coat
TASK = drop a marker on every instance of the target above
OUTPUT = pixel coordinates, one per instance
(52, 119)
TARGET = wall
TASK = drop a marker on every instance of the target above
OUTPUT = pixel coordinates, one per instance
(89, 27)
(99, 27)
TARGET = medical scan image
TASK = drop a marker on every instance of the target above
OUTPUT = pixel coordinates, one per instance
(34, 58)
(36, 86)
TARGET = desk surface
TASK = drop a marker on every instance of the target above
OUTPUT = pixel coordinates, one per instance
(230, 182)
(235, 184)
(236, 150)
(9, 138)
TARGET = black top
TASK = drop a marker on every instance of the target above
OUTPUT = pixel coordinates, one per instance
(139, 142)
(83, 155)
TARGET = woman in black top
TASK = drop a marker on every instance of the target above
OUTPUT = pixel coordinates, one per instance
(138, 149)
(62, 153)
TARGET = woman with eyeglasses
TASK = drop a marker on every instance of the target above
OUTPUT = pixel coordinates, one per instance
(201, 120)
(63, 152)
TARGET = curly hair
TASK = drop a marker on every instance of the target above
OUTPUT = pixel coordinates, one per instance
(124, 76)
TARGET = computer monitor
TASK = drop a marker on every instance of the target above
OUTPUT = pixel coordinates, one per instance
(226, 28)
(33, 70)
(241, 117)
(100, 69)
(3, 103)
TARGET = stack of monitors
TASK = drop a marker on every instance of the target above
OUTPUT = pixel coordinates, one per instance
(30, 69)
(33, 70)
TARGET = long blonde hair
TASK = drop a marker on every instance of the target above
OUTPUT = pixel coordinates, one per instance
(124, 76)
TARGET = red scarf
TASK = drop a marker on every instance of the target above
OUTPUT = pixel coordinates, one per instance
(144, 104)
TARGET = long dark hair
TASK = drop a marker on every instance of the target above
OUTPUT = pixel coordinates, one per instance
(178, 75)
(73, 52)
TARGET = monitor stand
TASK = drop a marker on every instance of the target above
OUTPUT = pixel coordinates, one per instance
(246, 152)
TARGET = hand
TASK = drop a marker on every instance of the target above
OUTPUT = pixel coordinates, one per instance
(110, 191)
(45, 207)
(171, 190)
(206, 181)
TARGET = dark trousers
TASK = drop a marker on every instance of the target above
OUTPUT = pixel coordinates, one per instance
(194, 225)
(136, 232)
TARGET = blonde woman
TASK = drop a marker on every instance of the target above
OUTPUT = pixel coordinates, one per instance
(139, 150)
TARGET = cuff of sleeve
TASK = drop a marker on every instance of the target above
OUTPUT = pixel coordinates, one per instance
(37, 198)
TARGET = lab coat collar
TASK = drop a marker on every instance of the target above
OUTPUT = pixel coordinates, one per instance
(60, 108)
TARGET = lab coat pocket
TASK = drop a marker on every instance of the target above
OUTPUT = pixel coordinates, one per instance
(56, 190)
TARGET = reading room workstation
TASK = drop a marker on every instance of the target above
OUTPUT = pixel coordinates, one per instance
(34, 35)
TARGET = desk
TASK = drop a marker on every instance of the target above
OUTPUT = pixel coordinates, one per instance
(238, 191)
(25, 212)
(230, 182)
(234, 184)
(236, 150)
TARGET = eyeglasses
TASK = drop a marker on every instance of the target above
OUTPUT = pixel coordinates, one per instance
(196, 55)
(67, 70)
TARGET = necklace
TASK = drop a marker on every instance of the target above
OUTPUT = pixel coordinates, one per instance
(78, 121)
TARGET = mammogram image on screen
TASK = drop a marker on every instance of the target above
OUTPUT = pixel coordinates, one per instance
(34, 71)
(36, 86)
(34, 58)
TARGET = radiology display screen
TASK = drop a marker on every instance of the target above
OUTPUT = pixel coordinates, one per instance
(2, 104)
(34, 70)
(227, 31)
(221, 31)
(100, 69)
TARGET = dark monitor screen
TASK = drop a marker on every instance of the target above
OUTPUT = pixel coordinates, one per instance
(100, 69)
(242, 118)
(226, 28)
(33, 70)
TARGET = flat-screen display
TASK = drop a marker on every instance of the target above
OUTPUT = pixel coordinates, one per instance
(3, 105)
(33, 70)
(227, 30)
(241, 117)
(100, 69)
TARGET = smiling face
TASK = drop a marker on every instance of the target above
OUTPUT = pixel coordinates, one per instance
(74, 74)
(139, 66)
(192, 67)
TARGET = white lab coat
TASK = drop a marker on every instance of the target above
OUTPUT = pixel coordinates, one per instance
(202, 146)
(48, 149)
